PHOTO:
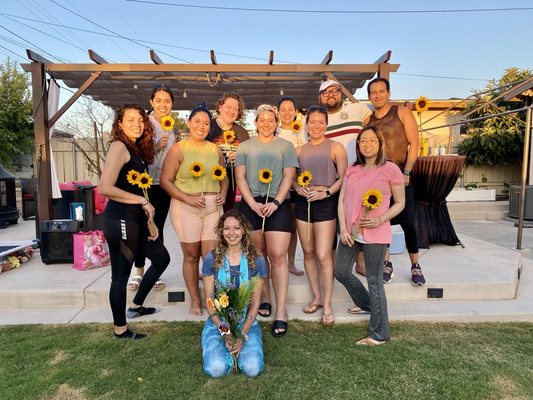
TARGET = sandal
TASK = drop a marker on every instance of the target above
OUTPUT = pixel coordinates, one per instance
(134, 283)
(281, 326)
(265, 309)
(368, 341)
(296, 272)
(312, 308)
(159, 285)
(356, 310)
(327, 319)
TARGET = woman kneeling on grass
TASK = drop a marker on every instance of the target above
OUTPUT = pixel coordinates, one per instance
(233, 265)
(364, 216)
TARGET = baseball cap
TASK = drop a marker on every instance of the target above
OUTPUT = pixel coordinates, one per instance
(324, 85)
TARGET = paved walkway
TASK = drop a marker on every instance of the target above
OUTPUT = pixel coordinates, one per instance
(485, 281)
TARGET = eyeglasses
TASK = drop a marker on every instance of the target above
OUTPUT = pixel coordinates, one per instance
(366, 141)
(333, 92)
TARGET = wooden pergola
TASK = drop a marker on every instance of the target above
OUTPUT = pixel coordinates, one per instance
(116, 84)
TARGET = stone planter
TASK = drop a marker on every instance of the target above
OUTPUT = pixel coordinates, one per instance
(475, 194)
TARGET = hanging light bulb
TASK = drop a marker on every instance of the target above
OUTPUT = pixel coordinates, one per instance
(281, 92)
(185, 93)
(135, 86)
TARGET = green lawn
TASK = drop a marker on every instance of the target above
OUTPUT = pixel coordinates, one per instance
(423, 361)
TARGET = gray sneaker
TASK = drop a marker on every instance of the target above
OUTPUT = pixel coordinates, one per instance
(417, 277)
(388, 273)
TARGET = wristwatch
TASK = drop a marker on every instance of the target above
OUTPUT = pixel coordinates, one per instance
(328, 193)
(406, 172)
(276, 202)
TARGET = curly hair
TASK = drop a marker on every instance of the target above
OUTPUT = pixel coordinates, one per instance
(234, 96)
(248, 246)
(144, 146)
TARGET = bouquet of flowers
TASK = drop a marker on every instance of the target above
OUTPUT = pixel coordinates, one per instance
(304, 180)
(231, 304)
(371, 200)
(265, 176)
(144, 181)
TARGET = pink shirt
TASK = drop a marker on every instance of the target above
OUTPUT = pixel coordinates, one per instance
(357, 182)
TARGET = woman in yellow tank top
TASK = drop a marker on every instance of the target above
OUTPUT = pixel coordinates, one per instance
(197, 196)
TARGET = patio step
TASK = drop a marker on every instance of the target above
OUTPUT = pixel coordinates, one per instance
(476, 210)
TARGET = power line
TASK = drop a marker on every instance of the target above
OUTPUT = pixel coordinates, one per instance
(32, 44)
(443, 77)
(466, 10)
(12, 52)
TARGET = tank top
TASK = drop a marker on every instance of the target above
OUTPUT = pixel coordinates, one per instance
(206, 154)
(117, 210)
(317, 160)
(396, 144)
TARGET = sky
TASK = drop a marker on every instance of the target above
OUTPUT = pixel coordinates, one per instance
(442, 55)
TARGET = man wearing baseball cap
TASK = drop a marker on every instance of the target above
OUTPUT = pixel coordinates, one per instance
(345, 121)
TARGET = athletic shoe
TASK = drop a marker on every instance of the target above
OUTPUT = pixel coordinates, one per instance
(417, 277)
(388, 273)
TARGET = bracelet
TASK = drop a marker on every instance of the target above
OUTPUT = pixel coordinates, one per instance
(406, 172)
(143, 204)
(276, 202)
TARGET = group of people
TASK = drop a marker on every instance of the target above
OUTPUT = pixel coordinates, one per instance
(344, 169)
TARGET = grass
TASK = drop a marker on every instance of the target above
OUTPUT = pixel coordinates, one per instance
(423, 361)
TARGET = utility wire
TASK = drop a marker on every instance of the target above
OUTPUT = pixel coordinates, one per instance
(32, 44)
(300, 11)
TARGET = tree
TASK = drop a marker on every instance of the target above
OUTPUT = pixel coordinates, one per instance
(498, 140)
(16, 126)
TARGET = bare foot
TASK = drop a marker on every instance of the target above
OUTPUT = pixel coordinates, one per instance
(195, 310)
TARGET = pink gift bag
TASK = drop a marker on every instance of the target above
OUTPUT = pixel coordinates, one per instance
(90, 250)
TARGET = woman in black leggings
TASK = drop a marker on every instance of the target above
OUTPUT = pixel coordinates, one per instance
(129, 216)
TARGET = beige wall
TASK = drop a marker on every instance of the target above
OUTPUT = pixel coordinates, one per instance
(70, 163)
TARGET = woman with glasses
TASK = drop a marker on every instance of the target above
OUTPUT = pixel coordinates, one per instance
(230, 108)
(364, 215)
(164, 137)
(265, 167)
(323, 161)
(189, 178)
(293, 130)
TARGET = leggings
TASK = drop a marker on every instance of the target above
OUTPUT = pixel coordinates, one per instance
(218, 362)
(373, 299)
(127, 239)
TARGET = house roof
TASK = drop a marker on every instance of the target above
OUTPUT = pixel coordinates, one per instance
(117, 84)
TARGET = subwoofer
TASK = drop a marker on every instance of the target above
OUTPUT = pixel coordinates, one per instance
(56, 240)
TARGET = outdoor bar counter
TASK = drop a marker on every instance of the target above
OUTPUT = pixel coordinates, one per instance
(433, 178)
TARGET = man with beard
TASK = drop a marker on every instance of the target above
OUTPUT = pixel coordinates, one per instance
(345, 121)
(400, 131)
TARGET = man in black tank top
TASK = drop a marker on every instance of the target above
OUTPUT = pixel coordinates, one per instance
(400, 131)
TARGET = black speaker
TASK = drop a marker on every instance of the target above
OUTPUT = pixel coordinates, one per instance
(56, 240)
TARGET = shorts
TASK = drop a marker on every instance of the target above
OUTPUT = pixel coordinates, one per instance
(321, 210)
(280, 221)
(193, 224)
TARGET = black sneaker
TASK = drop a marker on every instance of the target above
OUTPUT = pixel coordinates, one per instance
(417, 277)
(388, 273)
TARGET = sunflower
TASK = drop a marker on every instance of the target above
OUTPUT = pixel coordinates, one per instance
(224, 300)
(229, 136)
(218, 173)
(372, 199)
(133, 177)
(296, 126)
(197, 169)
(305, 179)
(265, 176)
(167, 123)
(422, 104)
(145, 181)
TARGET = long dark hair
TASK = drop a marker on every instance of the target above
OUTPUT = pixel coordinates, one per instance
(144, 146)
(248, 247)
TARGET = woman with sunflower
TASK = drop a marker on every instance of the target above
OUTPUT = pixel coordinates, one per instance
(364, 215)
(235, 259)
(164, 137)
(226, 133)
(265, 167)
(129, 215)
(197, 190)
(291, 129)
(323, 163)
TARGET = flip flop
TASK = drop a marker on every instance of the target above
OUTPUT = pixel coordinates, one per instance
(368, 341)
(266, 308)
(312, 308)
(324, 320)
(134, 283)
(159, 285)
(296, 272)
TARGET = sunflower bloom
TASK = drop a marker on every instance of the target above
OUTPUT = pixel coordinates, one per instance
(265, 176)
(211, 305)
(229, 136)
(218, 173)
(167, 123)
(305, 179)
(196, 169)
(372, 199)
(133, 177)
(224, 300)
(145, 181)
(296, 126)
(422, 104)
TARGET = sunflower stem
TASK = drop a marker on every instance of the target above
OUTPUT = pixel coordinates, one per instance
(266, 200)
